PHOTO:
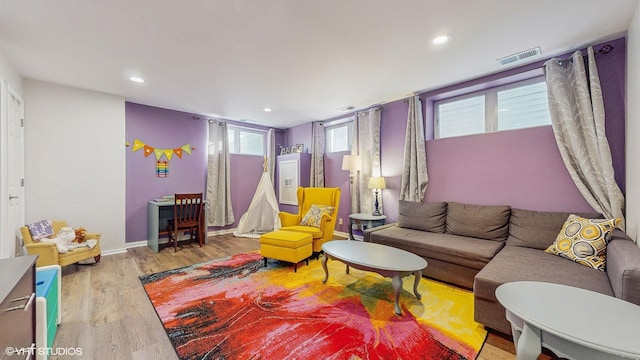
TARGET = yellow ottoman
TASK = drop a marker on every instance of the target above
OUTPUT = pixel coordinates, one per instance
(286, 246)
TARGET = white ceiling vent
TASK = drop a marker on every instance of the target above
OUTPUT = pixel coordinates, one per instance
(508, 60)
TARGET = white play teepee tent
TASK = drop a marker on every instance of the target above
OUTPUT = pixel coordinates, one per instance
(262, 215)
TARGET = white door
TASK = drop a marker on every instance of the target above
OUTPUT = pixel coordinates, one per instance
(15, 171)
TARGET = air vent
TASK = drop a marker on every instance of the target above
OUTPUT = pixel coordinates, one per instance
(346, 108)
(507, 60)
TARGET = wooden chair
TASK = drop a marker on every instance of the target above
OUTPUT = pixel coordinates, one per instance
(187, 216)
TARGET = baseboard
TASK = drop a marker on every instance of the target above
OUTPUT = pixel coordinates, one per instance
(341, 233)
(221, 232)
(162, 241)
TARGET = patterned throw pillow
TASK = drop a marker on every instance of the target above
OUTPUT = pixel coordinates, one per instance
(584, 240)
(314, 215)
(41, 229)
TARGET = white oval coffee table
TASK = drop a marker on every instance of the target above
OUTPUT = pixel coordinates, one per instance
(573, 323)
(384, 260)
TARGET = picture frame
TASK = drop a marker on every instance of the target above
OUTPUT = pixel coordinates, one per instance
(299, 148)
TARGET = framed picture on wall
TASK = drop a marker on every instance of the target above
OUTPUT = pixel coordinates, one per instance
(288, 183)
(299, 148)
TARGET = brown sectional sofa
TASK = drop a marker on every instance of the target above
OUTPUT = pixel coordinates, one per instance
(484, 246)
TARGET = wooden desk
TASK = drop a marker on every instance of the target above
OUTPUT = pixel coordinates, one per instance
(158, 215)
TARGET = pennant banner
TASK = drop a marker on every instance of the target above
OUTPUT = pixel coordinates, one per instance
(137, 145)
(147, 150)
(168, 153)
(186, 148)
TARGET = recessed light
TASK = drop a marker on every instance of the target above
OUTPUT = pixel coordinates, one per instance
(266, 109)
(442, 39)
(136, 79)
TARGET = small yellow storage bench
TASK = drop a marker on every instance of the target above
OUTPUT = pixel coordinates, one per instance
(287, 246)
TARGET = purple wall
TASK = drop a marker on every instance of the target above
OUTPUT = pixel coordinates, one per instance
(300, 134)
(336, 177)
(170, 129)
(165, 129)
(521, 168)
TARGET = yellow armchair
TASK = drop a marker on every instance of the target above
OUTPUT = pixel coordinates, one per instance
(306, 198)
(48, 252)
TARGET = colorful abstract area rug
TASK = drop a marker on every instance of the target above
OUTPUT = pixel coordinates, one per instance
(235, 308)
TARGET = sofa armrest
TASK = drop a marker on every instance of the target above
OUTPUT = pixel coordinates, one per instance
(95, 236)
(367, 232)
(288, 219)
(325, 223)
(47, 253)
(623, 268)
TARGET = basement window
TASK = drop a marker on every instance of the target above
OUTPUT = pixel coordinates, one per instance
(518, 105)
(338, 135)
(247, 141)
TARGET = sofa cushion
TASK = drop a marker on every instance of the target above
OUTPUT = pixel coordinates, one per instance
(515, 263)
(489, 222)
(537, 229)
(584, 241)
(422, 216)
(465, 251)
(41, 229)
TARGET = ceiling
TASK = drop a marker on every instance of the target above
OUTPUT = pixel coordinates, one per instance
(304, 59)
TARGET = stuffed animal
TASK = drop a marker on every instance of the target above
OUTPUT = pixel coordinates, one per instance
(80, 234)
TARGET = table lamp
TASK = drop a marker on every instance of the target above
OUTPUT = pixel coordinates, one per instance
(377, 183)
(351, 163)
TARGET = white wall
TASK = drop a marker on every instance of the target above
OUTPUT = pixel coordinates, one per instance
(75, 159)
(8, 73)
(633, 127)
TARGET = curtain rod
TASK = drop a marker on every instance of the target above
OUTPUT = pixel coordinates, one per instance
(604, 50)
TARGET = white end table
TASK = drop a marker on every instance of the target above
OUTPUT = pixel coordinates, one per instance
(573, 323)
(366, 221)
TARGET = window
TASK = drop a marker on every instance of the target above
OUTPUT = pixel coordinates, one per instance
(246, 141)
(338, 135)
(515, 106)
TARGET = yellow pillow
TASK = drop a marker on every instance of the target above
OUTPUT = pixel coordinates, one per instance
(584, 240)
(314, 215)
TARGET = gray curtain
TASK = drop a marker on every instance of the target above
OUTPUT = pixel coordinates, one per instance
(366, 143)
(317, 155)
(414, 178)
(578, 119)
(219, 208)
(271, 153)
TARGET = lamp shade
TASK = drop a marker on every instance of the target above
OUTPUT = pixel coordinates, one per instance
(377, 182)
(351, 162)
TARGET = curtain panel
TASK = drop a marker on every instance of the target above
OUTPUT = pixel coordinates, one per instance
(271, 154)
(317, 155)
(366, 143)
(578, 120)
(219, 207)
(414, 178)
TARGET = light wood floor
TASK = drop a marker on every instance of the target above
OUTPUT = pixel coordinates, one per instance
(106, 312)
